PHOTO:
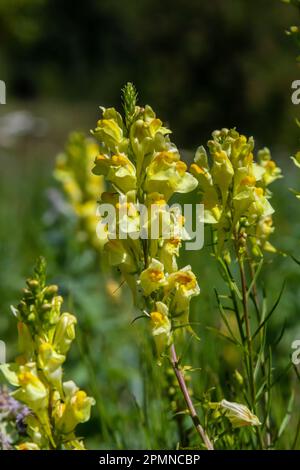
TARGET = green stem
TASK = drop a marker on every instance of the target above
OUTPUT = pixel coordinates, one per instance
(249, 342)
(192, 411)
(248, 330)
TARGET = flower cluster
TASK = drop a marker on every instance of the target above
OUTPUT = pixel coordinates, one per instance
(45, 336)
(81, 187)
(235, 191)
(143, 167)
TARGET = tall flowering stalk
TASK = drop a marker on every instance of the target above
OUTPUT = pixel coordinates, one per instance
(143, 166)
(234, 191)
(45, 336)
(81, 188)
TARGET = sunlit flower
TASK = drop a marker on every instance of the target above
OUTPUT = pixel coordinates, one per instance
(153, 277)
(239, 415)
(161, 327)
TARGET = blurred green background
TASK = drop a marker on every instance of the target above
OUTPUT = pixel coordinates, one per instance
(201, 65)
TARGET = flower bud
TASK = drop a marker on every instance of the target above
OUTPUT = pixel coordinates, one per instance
(64, 333)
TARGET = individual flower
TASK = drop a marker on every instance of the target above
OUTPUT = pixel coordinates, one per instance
(168, 252)
(271, 171)
(50, 362)
(153, 277)
(167, 174)
(161, 327)
(239, 415)
(181, 286)
(75, 409)
(27, 446)
(110, 131)
(147, 134)
(31, 390)
(118, 170)
(64, 333)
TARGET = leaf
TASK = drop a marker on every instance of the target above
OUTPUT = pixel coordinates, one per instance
(223, 315)
(288, 414)
(215, 330)
(270, 313)
(10, 372)
(257, 272)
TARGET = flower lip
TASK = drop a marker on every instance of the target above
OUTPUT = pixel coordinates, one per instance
(155, 275)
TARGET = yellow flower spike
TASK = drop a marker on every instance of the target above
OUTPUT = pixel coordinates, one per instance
(159, 174)
(80, 186)
(239, 415)
(161, 327)
(234, 192)
(153, 277)
(37, 374)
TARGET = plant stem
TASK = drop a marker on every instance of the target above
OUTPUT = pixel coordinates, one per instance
(188, 400)
(249, 342)
(248, 330)
(262, 360)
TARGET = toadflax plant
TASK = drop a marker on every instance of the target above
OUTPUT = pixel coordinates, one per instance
(81, 188)
(143, 167)
(45, 336)
(234, 190)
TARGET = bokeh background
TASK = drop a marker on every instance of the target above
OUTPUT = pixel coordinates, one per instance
(201, 65)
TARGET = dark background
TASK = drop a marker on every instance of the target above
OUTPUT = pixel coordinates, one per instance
(201, 65)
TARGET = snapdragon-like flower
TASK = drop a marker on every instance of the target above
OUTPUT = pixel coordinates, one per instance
(161, 326)
(234, 189)
(144, 168)
(153, 277)
(239, 415)
(45, 336)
